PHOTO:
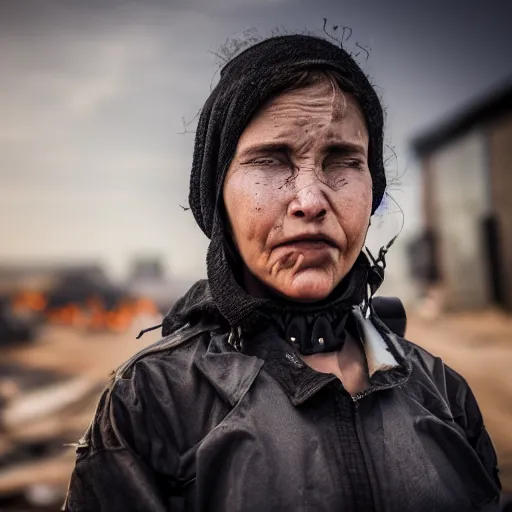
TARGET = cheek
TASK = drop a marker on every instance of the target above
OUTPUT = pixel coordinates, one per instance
(355, 210)
(251, 210)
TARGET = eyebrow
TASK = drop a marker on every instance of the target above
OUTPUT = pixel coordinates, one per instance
(342, 147)
(345, 147)
(264, 148)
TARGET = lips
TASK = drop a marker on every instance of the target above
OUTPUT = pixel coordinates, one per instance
(309, 240)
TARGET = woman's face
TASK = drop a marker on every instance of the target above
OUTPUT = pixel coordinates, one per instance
(298, 192)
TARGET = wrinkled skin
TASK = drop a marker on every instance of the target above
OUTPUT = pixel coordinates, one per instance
(301, 170)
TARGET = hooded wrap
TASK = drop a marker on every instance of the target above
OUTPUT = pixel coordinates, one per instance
(246, 83)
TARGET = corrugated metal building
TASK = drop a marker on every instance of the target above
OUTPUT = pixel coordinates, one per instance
(466, 167)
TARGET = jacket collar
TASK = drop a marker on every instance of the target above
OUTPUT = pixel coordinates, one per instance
(231, 372)
(388, 364)
(379, 351)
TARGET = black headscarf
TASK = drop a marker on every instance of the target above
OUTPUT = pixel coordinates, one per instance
(246, 83)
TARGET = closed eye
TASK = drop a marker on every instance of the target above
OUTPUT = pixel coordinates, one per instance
(266, 155)
(265, 161)
(347, 163)
(345, 155)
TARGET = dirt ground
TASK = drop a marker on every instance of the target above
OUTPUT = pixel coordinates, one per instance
(479, 346)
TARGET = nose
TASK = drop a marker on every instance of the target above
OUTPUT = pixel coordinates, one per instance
(310, 201)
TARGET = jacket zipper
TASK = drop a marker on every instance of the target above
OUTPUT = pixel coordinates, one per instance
(373, 486)
(364, 449)
(357, 467)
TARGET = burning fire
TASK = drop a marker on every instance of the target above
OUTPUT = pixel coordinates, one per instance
(92, 314)
(29, 300)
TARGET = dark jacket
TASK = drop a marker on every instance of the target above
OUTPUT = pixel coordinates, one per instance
(194, 424)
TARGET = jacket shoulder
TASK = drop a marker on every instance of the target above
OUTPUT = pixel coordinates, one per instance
(461, 401)
(150, 392)
(174, 344)
(428, 369)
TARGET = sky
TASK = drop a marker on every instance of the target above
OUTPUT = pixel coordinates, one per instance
(93, 164)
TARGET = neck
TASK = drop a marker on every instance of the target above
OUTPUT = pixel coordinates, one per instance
(348, 364)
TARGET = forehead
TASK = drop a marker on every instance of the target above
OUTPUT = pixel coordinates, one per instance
(320, 110)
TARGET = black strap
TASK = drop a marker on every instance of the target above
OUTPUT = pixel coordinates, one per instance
(391, 312)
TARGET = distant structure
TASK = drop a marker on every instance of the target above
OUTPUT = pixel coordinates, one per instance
(43, 276)
(149, 277)
(466, 165)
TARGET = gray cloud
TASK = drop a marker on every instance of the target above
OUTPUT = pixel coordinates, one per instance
(92, 95)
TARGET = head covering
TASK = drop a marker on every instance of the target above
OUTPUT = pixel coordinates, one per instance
(246, 83)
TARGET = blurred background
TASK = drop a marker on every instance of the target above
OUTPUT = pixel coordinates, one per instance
(98, 103)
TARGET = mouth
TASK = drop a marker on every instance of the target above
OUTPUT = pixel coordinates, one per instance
(310, 241)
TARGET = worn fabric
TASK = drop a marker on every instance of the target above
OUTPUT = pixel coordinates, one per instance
(193, 424)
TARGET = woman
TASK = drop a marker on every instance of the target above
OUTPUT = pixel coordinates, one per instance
(276, 387)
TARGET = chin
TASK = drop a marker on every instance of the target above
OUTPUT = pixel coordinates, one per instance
(309, 288)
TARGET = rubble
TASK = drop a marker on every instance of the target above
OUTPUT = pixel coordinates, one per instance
(50, 390)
